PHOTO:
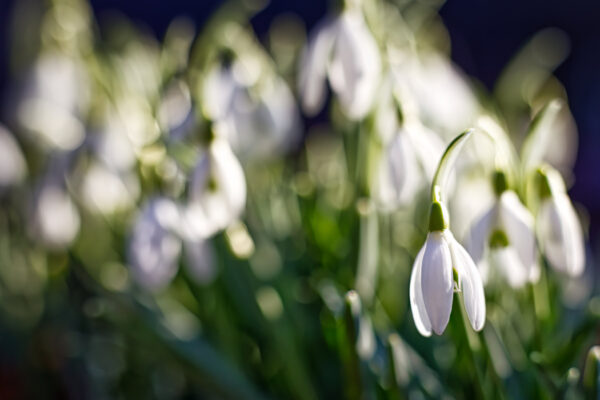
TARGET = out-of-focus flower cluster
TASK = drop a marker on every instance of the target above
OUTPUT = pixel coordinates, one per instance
(281, 176)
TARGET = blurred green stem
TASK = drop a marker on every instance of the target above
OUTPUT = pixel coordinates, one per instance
(470, 341)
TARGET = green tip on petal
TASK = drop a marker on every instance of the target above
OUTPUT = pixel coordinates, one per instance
(498, 239)
(500, 182)
(543, 183)
(438, 220)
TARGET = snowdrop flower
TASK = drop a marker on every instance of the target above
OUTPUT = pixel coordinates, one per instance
(445, 100)
(154, 248)
(432, 281)
(504, 238)
(407, 164)
(259, 117)
(217, 191)
(344, 51)
(559, 231)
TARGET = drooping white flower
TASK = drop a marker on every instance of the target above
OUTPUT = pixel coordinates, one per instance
(343, 50)
(217, 191)
(154, 248)
(432, 283)
(559, 230)
(504, 238)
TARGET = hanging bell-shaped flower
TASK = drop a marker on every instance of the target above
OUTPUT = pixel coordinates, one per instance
(432, 281)
(558, 228)
(343, 50)
(504, 238)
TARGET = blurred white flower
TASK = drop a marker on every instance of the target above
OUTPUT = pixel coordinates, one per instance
(175, 106)
(504, 238)
(407, 165)
(111, 143)
(54, 100)
(12, 163)
(55, 217)
(260, 120)
(559, 230)
(217, 191)
(444, 99)
(344, 51)
(106, 191)
(432, 282)
(398, 174)
(154, 248)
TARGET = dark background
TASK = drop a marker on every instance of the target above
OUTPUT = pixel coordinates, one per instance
(485, 35)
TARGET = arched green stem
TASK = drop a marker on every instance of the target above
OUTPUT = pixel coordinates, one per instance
(446, 162)
(449, 159)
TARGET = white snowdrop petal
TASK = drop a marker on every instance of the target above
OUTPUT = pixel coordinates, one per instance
(218, 189)
(573, 236)
(230, 175)
(437, 281)
(417, 304)
(470, 283)
(507, 262)
(313, 67)
(398, 174)
(518, 222)
(479, 234)
(153, 251)
(561, 235)
(355, 68)
(218, 89)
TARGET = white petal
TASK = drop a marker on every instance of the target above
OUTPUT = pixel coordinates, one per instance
(518, 224)
(561, 235)
(437, 281)
(416, 297)
(222, 200)
(218, 89)
(470, 284)
(355, 68)
(153, 251)
(313, 67)
(398, 175)
(506, 260)
(266, 123)
(56, 216)
(479, 234)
